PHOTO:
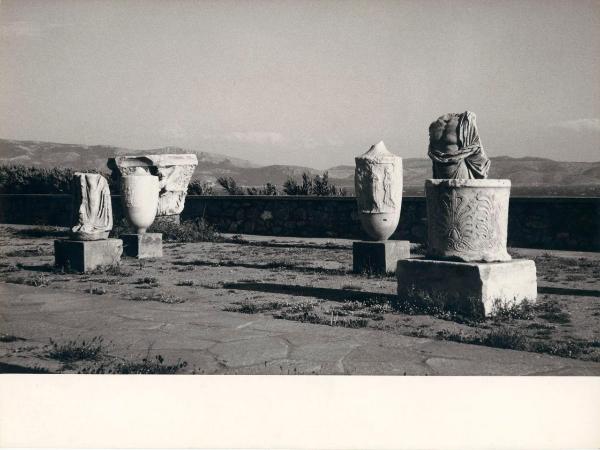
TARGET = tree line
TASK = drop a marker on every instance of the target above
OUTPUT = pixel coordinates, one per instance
(18, 179)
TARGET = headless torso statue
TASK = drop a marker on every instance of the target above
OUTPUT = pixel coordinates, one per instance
(455, 148)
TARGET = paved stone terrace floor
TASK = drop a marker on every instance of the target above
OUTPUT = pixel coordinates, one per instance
(267, 305)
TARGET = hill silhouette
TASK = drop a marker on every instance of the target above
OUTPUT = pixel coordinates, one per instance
(523, 172)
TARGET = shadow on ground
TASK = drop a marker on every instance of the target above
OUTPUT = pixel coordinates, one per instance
(332, 294)
(568, 291)
(271, 265)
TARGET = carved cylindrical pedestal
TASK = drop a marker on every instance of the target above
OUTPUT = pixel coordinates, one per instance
(378, 184)
(139, 194)
(467, 219)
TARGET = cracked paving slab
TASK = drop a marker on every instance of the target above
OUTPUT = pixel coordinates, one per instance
(216, 341)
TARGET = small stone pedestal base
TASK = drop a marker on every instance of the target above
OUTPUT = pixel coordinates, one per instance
(85, 256)
(474, 289)
(378, 257)
(147, 245)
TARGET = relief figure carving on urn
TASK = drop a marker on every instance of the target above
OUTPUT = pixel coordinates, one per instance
(92, 207)
(378, 184)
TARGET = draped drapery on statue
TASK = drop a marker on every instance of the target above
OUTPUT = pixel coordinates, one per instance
(92, 207)
(455, 148)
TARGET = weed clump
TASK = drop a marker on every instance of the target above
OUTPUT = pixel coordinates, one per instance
(28, 252)
(198, 230)
(147, 282)
(9, 338)
(116, 271)
(247, 307)
(160, 298)
(36, 280)
(96, 290)
(553, 313)
(147, 366)
(75, 350)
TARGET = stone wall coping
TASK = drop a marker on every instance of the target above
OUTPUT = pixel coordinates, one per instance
(301, 198)
(458, 183)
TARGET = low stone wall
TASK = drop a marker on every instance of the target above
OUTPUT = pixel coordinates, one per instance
(534, 222)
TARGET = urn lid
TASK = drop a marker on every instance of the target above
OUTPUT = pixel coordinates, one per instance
(378, 153)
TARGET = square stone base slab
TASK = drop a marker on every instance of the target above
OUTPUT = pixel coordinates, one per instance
(470, 288)
(85, 256)
(378, 257)
(147, 245)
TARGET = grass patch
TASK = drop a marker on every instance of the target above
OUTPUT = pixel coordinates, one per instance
(105, 280)
(503, 311)
(147, 366)
(552, 312)
(313, 317)
(75, 350)
(247, 307)
(499, 338)
(116, 271)
(352, 287)
(416, 302)
(38, 280)
(148, 281)
(10, 338)
(198, 230)
(218, 285)
(505, 338)
(369, 315)
(160, 298)
(29, 252)
(96, 290)
(40, 232)
(8, 268)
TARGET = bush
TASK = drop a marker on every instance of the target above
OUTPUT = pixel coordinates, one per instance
(267, 189)
(15, 179)
(318, 185)
(197, 187)
(198, 230)
(230, 185)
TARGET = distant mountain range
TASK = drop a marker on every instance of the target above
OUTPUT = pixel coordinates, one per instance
(526, 171)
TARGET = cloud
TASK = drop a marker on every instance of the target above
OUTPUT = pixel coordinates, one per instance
(256, 137)
(580, 125)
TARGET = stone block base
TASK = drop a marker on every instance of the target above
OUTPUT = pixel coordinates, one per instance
(147, 245)
(474, 289)
(85, 256)
(378, 257)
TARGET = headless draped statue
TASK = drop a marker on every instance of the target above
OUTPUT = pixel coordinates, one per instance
(455, 148)
(92, 207)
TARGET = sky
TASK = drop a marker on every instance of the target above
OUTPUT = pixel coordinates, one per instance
(310, 83)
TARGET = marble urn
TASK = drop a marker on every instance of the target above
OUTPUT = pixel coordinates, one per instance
(139, 195)
(378, 185)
